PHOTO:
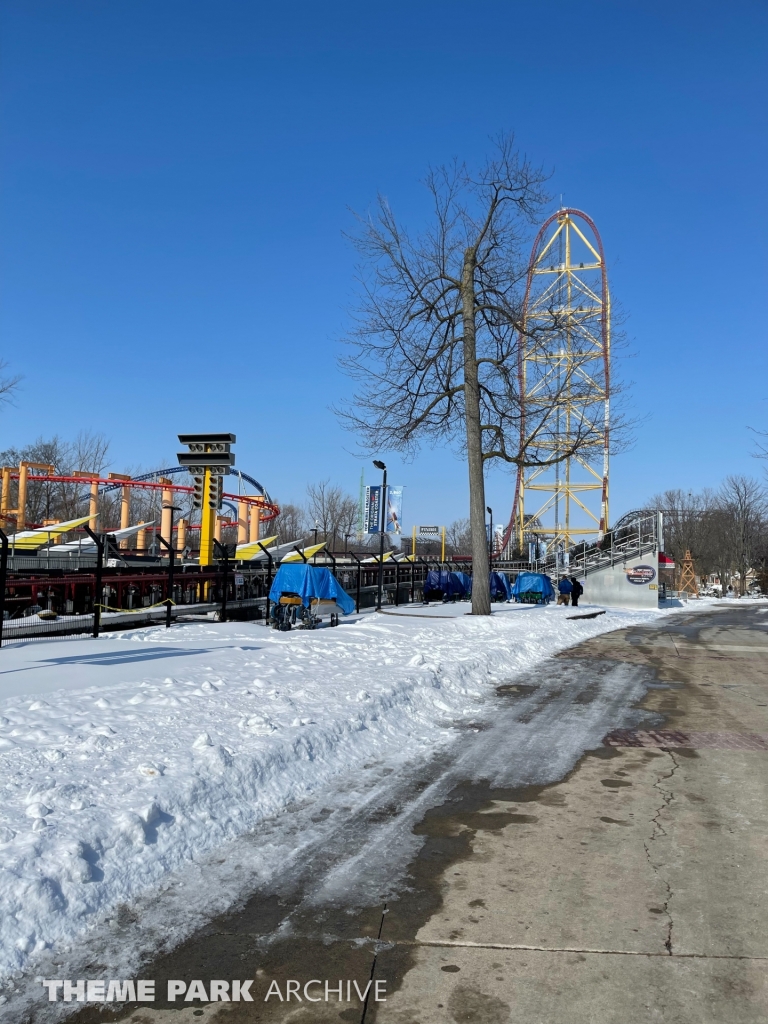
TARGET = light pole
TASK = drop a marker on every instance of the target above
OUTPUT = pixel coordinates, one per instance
(489, 510)
(171, 553)
(383, 500)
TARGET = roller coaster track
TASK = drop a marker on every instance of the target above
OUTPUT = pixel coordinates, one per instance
(154, 481)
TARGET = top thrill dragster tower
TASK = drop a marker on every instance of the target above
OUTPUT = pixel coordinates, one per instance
(564, 370)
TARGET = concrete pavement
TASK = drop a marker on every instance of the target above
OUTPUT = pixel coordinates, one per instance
(633, 890)
(640, 892)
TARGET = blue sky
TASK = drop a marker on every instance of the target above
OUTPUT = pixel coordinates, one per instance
(176, 178)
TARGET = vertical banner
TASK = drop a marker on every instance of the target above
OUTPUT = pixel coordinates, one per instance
(394, 509)
(498, 537)
(373, 509)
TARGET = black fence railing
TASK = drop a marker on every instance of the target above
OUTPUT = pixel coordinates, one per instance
(46, 597)
(42, 602)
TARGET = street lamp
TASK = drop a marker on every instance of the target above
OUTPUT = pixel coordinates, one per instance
(380, 465)
(489, 510)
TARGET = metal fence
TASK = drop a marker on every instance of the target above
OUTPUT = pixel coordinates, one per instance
(39, 601)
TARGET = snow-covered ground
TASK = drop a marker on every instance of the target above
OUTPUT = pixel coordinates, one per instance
(125, 758)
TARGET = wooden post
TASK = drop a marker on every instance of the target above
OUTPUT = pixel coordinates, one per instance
(217, 528)
(141, 538)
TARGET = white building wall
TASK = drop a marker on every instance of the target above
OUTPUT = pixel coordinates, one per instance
(612, 586)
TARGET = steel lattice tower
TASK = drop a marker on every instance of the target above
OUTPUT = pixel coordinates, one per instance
(565, 349)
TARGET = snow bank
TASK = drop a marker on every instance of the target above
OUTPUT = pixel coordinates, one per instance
(122, 759)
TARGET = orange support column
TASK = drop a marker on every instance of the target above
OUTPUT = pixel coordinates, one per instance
(24, 468)
(242, 522)
(125, 506)
(5, 497)
(166, 515)
(255, 523)
(181, 536)
(141, 539)
(93, 504)
(21, 512)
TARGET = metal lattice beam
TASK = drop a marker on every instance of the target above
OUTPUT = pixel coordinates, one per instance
(567, 301)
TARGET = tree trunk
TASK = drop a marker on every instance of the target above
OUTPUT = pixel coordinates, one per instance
(481, 592)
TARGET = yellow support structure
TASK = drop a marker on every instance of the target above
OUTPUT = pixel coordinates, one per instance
(565, 386)
(207, 523)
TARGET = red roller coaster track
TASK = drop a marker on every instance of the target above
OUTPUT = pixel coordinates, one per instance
(269, 509)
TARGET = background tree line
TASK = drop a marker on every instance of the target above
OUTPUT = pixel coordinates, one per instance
(725, 529)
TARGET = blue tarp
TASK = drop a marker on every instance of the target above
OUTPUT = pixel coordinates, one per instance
(534, 583)
(466, 582)
(449, 584)
(500, 588)
(309, 581)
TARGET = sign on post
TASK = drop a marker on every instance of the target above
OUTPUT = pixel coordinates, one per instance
(431, 533)
(394, 509)
(372, 517)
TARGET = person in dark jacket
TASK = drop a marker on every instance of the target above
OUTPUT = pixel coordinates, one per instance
(564, 591)
(576, 591)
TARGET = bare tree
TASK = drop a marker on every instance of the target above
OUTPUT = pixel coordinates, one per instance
(725, 530)
(458, 537)
(60, 500)
(348, 513)
(8, 384)
(334, 512)
(436, 342)
(742, 501)
(686, 522)
(290, 524)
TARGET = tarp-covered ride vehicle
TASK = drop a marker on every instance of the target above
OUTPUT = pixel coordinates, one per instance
(446, 586)
(304, 595)
(533, 588)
